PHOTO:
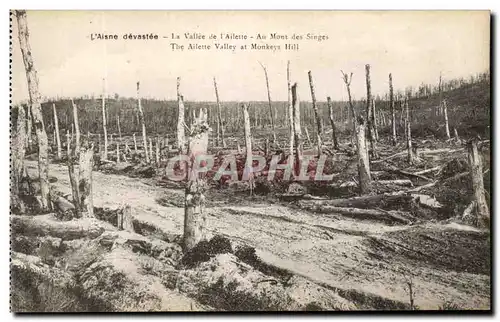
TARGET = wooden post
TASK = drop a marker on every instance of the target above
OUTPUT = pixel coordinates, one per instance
(290, 107)
(180, 121)
(220, 125)
(393, 112)
(296, 129)
(86, 163)
(36, 109)
(332, 122)
(143, 124)
(104, 128)
(316, 115)
(194, 211)
(56, 131)
(271, 111)
(77, 128)
(447, 127)
(248, 146)
(476, 173)
(363, 159)
(369, 113)
(408, 133)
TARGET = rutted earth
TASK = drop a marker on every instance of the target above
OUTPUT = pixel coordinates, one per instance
(445, 263)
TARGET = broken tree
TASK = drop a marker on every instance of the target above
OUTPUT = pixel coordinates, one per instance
(17, 158)
(77, 126)
(316, 114)
(332, 122)
(194, 211)
(105, 130)
(248, 146)
(143, 124)
(297, 132)
(36, 109)
(290, 107)
(56, 131)
(393, 112)
(220, 124)
(370, 112)
(271, 113)
(363, 158)
(476, 173)
(180, 120)
(408, 133)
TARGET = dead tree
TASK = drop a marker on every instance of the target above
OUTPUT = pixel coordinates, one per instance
(105, 130)
(151, 149)
(297, 132)
(316, 114)
(290, 107)
(370, 113)
(135, 144)
(248, 146)
(408, 133)
(117, 151)
(437, 111)
(68, 144)
(220, 124)
(157, 151)
(363, 158)
(375, 120)
(446, 125)
(125, 220)
(73, 178)
(29, 126)
(17, 159)
(393, 111)
(56, 131)
(118, 126)
(476, 172)
(332, 122)
(36, 109)
(194, 211)
(347, 80)
(143, 123)
(180, 121)
(271, 112)
(77, 127)
(86, 164)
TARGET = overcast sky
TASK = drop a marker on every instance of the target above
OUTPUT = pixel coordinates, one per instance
(414, 46)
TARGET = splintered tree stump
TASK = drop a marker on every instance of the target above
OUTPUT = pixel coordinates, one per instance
(125, 220)
(290, 108)
(476, 173)
(143, 124)
(56, 132)
(316, 114)
(393, 110)
(332, 122)
(180, 121)
(297, 132)
(363, 158)
(86, 162)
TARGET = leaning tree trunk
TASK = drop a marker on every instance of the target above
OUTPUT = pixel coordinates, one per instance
(290, 107)
(36, 109)
(248, 147)
(332, 122)
(220, 124)
(316, 114)
(297, 132)
(370, 113)
(393, 112)
(375, 120)
(180, 121)
(105, 130)
(17, 159)
(270, 104)
(194, 211)
(86, 164)
(77, 128)
(363, 159)
(56, 131)
(476, 173)
(143, 124)
(446, 125)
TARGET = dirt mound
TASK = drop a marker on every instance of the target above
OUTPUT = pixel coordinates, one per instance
(205, 250)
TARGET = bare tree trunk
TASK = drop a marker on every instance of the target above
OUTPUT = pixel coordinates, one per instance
(157, 150)
(308, 137)
(316, 114)
(369, 113)
(77, 127)
(266, 147)
(194, 211)
(408, 133)
(68, 144)
(151, 149)
(73, 180)
(271, 112)
(104, 128)
(125, 220)
(347, 80)
(438, 110)
(456, 135)
(85, 179)
(248, 146)
(476, 172)
(332, 122)
(220, 124)
(29, 127)
(290, 107)
(117, 151)
(180, 121)
(363, 159)
(375, 120)
(143, 124)
(296, 128)
(35, 99)
(447, 127)
(17, 158)
(393, 112)
(56, 131)
(118, 125)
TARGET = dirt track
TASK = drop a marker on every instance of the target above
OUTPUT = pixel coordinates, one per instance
(365, 256)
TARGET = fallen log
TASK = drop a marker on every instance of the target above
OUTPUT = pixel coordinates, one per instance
(386, 216)
(399, 182)
(364, 202)
(428, 170)
(408, 174)
(48, 225)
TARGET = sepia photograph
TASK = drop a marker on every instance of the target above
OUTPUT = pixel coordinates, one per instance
(244, 161)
